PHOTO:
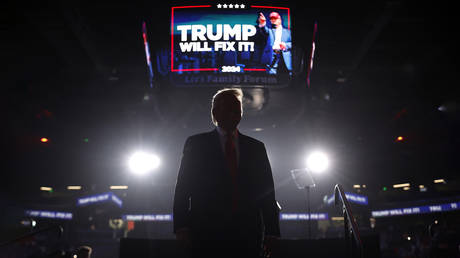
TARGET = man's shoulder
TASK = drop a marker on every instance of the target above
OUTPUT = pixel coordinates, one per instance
(250, 140)
(199, 137)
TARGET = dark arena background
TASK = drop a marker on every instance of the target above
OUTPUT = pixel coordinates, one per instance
(99, 98)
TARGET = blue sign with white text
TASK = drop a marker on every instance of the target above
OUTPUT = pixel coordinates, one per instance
(105, 197)
(169, 217)
(351, 197)
(303, 216)
(49, 214)
(417, 210)
(148, 217)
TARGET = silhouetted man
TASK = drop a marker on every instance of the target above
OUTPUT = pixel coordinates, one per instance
(224, 203)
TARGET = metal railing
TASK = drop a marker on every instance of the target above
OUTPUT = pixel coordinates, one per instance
(352, 236)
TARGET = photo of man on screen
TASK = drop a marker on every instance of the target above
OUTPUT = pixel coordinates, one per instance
(277, 43)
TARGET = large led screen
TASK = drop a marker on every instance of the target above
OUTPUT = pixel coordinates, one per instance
(233, 44)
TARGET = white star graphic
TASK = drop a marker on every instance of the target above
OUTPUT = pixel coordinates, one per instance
(230, 6)
(225, 5)
(242, 5)
(237, 6)
(219, 6)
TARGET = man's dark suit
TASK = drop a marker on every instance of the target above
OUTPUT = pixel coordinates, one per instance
(203, 196)
(268, 53)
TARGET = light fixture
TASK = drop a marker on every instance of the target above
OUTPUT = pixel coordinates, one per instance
(142, 163)
(317, 162)
(439, 181)
(118, 187)
(401, 185)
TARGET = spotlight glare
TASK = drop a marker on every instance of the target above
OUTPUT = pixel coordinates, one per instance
(317, 162)
(142, 163)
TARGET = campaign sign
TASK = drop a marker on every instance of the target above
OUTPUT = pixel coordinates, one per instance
(417, 210)
(148, 217)
(231, 44)
(49, 214)
(303, 216)
(169, 217)
(351, 197)
(105, 197)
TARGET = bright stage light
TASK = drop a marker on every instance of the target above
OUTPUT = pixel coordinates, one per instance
(401, 185)
(118, 187)
(439, 181)
(142, 163)
(317, 162)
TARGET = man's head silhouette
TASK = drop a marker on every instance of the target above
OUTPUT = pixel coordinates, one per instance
(227, 109)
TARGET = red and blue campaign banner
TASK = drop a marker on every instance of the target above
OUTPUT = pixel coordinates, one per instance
(231, 44)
